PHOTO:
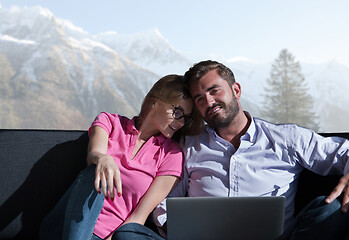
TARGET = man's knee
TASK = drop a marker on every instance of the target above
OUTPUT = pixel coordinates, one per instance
(321, 220)
(318, 209)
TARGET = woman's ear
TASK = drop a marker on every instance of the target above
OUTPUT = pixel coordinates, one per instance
(154, 105)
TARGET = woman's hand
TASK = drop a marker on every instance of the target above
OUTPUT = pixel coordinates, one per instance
(107, 176)
(107, 171)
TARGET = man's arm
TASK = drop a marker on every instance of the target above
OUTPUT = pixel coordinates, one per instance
(327, 155)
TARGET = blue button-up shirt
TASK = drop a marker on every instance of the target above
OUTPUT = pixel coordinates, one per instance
(268, 162)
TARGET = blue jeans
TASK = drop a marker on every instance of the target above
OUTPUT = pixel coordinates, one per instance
(95, 237)
(135, 231)
(75, 215)
(319, 220)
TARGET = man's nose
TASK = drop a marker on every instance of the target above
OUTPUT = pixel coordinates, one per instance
(209, 100)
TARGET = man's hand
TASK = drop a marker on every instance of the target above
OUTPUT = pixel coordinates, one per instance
(342, 187)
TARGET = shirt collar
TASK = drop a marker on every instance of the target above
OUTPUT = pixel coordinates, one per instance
(250, 134)
(131, 126)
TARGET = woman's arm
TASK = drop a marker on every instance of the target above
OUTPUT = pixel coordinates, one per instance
(159, 189)
(107, 172)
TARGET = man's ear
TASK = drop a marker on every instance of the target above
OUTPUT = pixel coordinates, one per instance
(236, 90)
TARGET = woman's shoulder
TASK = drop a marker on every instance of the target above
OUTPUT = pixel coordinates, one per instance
(169, 145)
(113, 121)
(112, 117)
(103, 116)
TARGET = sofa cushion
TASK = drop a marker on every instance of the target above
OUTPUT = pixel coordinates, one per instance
(36, 168)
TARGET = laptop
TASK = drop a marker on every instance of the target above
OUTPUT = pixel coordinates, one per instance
(225, 218)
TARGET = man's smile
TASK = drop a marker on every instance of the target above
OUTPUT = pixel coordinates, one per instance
(213, 110)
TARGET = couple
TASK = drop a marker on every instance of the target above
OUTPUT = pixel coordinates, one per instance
(243, 156)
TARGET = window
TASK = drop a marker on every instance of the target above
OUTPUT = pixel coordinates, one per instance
(61, 63)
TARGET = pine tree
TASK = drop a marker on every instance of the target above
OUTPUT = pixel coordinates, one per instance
(286, 99)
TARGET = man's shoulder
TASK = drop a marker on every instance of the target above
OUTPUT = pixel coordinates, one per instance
(285, 130)
(202, 137)
(277, 126)
(206, 132)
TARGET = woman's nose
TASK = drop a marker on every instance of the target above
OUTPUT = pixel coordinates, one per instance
(180, 122)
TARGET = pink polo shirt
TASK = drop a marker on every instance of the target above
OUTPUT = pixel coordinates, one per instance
(158, 156)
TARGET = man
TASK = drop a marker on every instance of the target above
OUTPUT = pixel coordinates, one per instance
(238, 155)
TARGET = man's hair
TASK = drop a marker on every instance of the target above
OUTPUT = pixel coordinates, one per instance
(198, 70)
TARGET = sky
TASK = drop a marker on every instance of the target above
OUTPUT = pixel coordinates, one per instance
(314, 31)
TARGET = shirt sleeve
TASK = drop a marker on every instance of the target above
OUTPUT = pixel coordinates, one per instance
(105, 121)
(172, 162)
(322, 155)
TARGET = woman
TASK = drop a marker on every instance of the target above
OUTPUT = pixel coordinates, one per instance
(137, 157)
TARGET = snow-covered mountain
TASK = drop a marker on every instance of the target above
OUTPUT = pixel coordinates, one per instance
(65, 63)
(60, 73)
(148, 49)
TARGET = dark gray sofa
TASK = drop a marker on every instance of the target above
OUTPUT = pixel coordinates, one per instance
(37, 166)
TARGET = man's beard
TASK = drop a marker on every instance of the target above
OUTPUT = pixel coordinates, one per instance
(231, 110)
